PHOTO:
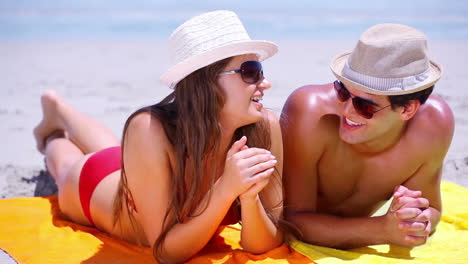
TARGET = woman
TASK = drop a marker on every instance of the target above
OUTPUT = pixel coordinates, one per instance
(187, 163)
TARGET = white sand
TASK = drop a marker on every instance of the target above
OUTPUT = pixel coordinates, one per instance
(108, 80)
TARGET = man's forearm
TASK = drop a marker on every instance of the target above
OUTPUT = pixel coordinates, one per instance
(339, 232)
(435, 218)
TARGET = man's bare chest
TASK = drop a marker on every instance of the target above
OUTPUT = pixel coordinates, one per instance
(350, 185)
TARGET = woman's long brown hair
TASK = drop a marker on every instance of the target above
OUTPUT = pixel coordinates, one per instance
(190, 117)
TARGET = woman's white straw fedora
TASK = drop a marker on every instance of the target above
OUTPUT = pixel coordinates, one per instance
(389, 59)
(210, 37)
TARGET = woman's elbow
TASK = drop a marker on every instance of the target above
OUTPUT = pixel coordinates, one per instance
(262, 247)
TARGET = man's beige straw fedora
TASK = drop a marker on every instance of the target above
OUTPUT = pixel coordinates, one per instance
(389, 59)
(210, 37)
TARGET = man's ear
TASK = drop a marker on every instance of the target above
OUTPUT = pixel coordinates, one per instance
(409, 110)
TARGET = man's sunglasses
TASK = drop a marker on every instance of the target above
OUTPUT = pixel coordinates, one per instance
(364, 107)
(251, 72)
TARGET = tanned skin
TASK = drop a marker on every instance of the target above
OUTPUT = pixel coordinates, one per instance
(339, 168)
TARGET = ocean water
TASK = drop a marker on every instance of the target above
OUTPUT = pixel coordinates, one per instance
(285, 20)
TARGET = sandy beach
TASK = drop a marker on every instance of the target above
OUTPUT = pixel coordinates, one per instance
(108, 80)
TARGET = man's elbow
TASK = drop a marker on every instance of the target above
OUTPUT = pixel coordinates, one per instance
(291, 215)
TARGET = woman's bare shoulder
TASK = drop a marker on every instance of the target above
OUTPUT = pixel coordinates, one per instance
(271, 118)
(275, 130)
(147, 138)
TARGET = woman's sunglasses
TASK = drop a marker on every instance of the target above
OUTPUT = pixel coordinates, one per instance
(364, 107)
(251, 72)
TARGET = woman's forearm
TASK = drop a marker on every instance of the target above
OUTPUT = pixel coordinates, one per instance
(259, 234)
(186, 239)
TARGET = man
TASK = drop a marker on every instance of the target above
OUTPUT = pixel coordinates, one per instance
(352, 145)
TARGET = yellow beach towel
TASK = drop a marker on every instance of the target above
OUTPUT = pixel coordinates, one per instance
(32, 231)
(448, 245)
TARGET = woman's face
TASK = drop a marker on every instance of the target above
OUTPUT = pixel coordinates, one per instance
(243, 100)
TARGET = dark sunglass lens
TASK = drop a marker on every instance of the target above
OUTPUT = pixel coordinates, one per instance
(365, 109)
(251, 71)
(341, 91)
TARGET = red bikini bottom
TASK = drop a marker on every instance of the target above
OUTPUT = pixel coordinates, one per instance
(96, 168)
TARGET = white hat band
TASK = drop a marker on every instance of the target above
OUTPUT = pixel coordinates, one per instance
(386, 84)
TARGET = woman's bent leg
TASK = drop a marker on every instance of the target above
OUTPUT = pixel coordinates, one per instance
(64, 161)
(86, 133)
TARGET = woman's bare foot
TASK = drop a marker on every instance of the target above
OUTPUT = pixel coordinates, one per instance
(51, 121)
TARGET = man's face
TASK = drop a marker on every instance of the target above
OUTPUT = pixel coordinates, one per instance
(356, 129)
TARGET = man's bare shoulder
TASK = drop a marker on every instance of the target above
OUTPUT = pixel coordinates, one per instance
(310, 103)
(311, 97)
(311, 113)
(433, 125)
